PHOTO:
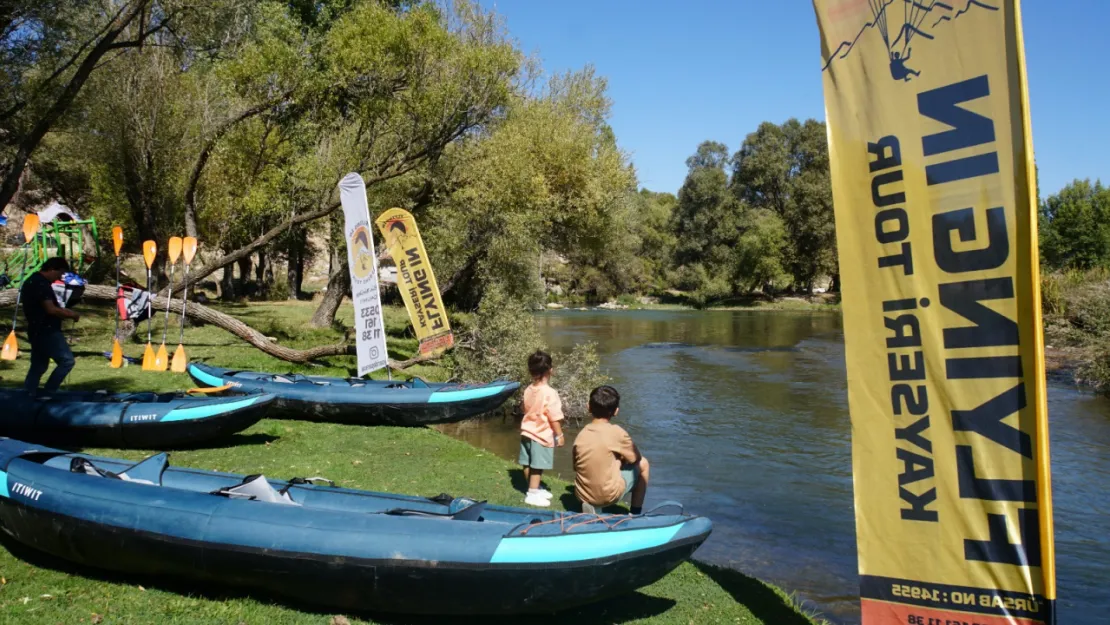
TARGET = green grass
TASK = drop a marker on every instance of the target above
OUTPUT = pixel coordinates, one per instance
(35, 588)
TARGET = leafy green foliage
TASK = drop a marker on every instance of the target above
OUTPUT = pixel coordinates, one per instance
(496, 340)
(1075, 226)
(548, 176)
(785, 169)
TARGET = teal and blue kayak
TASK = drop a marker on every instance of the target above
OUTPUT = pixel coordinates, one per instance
(139, 420)
(307, 540)
(407, 402)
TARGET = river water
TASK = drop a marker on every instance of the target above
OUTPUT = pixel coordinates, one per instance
(744, 416)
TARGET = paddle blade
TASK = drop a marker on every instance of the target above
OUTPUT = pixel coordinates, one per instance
(117, 354)
(30, 226)
(117, 239)
(180, 360)
(11, 348)
(148, 358)
(161, 359)
(175, 249)
(150, 250)
(208, 390)
(189, 248)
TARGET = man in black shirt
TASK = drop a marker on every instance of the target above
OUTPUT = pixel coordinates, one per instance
(44, 326)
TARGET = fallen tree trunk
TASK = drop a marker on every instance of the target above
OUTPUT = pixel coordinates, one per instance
(234, 326)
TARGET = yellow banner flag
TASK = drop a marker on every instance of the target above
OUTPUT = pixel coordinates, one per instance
(933, 187)
(416, 281)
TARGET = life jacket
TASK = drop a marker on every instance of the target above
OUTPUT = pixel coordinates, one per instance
(132, 304)
(69, 289)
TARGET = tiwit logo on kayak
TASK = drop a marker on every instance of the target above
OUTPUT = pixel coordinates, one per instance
(24, 490)
(143, 417)
(900, 23)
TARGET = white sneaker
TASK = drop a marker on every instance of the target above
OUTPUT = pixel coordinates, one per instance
(541, 493)
(534, 499)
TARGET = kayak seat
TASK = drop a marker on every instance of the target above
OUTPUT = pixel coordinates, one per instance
(144, 397)
(147, 471)
(293, 378)
(256, 488)
(473, 512)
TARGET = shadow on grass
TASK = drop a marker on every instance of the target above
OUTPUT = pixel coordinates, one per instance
(570, 502)
(629, 607)
(112, 385)
(761, 599)
(227, 442)
(568, 498)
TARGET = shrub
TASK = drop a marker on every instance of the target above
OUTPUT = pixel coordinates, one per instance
(495, 342)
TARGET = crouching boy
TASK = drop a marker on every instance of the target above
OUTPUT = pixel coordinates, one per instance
(607, 464)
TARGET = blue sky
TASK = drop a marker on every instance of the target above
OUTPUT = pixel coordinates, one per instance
(683, 71)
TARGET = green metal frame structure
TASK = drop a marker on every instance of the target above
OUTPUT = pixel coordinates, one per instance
(57, 238)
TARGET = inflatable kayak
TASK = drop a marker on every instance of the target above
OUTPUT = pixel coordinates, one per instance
(142, 420)
(347, 549)
(359, 401)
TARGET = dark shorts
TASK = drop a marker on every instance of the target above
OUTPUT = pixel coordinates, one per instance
(535, 455)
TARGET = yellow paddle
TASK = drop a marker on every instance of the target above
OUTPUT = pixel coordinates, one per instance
(208, 390)
(180, 360)
(30, 227)
(150, 251)
(161, 360)
(117, 349)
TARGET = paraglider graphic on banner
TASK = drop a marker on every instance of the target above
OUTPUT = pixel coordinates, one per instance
(416, 281)
(910, 19)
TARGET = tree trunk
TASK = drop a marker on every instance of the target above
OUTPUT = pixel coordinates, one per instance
(834, 287)
(262, 268)
(295, 272)
(244, 275)
(204, 314)
(339, 285)
(227, 284)
(291, 272)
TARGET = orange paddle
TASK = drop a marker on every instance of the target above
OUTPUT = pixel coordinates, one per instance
(150, 251)
(11, 346)
(161, 361)
(117, 349)
(180, 360)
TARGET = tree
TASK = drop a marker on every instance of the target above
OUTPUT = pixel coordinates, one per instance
(1075, 226)
(48, 52)
(785, 169)
(704, 219)
(651, 225)
(707, 225)
(394, 90)
(549, 176)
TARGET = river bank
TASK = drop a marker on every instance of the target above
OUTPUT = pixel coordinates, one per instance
(36, 589)
(678, 300)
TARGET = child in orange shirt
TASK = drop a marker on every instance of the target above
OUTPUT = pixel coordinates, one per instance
(540, 430)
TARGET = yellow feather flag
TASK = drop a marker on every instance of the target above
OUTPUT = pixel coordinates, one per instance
(933, 189)
(416, 281)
